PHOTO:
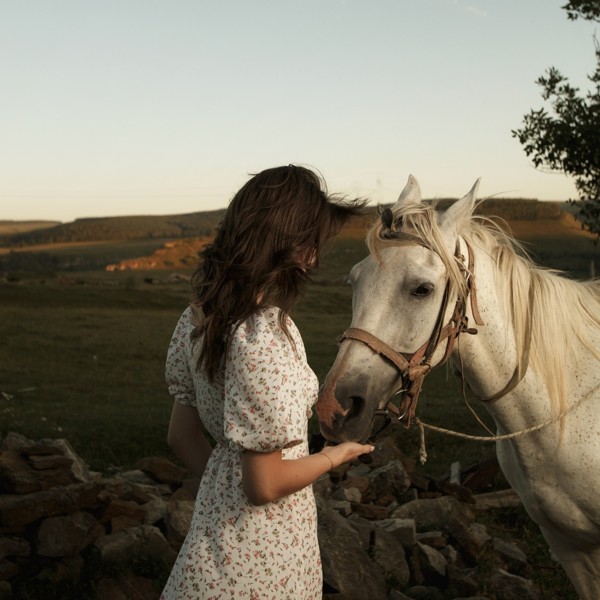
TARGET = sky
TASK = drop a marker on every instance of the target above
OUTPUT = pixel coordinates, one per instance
(126, 107)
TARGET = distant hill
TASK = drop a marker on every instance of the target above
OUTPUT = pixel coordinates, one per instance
(13, 227)
(549, 229)
(117, 228)
(201, 224)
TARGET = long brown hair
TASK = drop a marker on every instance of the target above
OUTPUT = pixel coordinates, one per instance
(272, 232)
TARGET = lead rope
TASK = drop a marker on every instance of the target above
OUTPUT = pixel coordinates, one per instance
(494, 438)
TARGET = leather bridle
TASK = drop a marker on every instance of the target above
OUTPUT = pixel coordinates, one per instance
(414, 367)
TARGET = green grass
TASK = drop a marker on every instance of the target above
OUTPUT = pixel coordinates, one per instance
(86, 363)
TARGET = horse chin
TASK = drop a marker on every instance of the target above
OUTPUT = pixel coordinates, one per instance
(347, 430)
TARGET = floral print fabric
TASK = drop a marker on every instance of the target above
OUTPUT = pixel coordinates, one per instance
(261, 401)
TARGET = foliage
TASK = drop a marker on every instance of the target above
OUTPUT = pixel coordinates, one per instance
(566, 138)
(586, 9)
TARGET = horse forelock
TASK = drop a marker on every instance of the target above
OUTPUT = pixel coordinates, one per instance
(419, 221)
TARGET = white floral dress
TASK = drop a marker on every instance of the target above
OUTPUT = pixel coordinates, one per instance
(261, 401)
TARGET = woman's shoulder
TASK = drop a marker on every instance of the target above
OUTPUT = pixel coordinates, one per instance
(263, 324)
(191, 317)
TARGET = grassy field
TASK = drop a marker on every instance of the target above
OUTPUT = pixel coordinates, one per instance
(84, 355)
(84, 358)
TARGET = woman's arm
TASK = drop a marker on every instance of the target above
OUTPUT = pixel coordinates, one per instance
(186, 438)
(266, 477)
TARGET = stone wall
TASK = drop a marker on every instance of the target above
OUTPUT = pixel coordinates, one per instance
(385, 532)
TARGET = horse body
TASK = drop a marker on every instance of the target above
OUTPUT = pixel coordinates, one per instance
(540, 331)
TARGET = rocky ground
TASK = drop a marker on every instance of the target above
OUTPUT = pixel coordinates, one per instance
(385, 531)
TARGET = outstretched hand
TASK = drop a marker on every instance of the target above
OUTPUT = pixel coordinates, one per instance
(346, 452)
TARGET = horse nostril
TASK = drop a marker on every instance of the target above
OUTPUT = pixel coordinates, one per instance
(357, 405)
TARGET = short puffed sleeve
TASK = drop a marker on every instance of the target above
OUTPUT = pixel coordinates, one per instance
(177, 369)
(261, 403)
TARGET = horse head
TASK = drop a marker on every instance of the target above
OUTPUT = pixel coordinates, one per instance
(409, 299)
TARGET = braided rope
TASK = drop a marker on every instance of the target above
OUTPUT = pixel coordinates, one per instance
(492, 438)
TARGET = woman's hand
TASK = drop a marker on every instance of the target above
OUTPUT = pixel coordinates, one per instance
(346, 452)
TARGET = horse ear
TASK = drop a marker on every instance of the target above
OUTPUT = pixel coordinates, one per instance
(411, 194)
(460, 211)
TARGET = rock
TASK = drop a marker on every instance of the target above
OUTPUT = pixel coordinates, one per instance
(124, 511)
(67, 569)
(435, 539)
(484, 476)
(128, 587)
(435, 513)
(370, 511)
(182, 493)
(178, 519)
(479, 531)
(423, 592)
(118, 550)
(445, 513)
(16, 476)
(162, 470)
(15, 441)
(14, 546)
(322, 487)
(67, 535)
(463, 582)
(389, 555)
(347, 568)
(78, 470)
(397, 595)
(341, 506)
(433, 565)
(511, 555)
(155, 510)
(349, 494)
(386, 451)
(451, 555)
(511, 587)
(358, 470)
(27, 466)
(137, 476)
(121, 488)
(43, 463)
(390, 479)
(364, 528)
(359, 482)
(403, 530)
(17, 511)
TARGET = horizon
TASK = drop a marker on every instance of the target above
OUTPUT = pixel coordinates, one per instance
(170, 214)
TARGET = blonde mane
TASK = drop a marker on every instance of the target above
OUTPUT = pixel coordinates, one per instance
(541, 303)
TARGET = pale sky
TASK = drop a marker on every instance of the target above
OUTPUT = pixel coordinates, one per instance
(123, 107)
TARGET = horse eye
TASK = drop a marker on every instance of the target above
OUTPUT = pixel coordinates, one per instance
(423, 290)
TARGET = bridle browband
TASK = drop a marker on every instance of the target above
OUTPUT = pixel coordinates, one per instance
(414, 367)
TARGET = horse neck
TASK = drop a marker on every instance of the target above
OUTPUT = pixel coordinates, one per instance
(488, 360)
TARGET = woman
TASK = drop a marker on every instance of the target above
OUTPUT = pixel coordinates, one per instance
(237, 368)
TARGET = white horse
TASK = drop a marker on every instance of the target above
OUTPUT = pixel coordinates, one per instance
(535, 361)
